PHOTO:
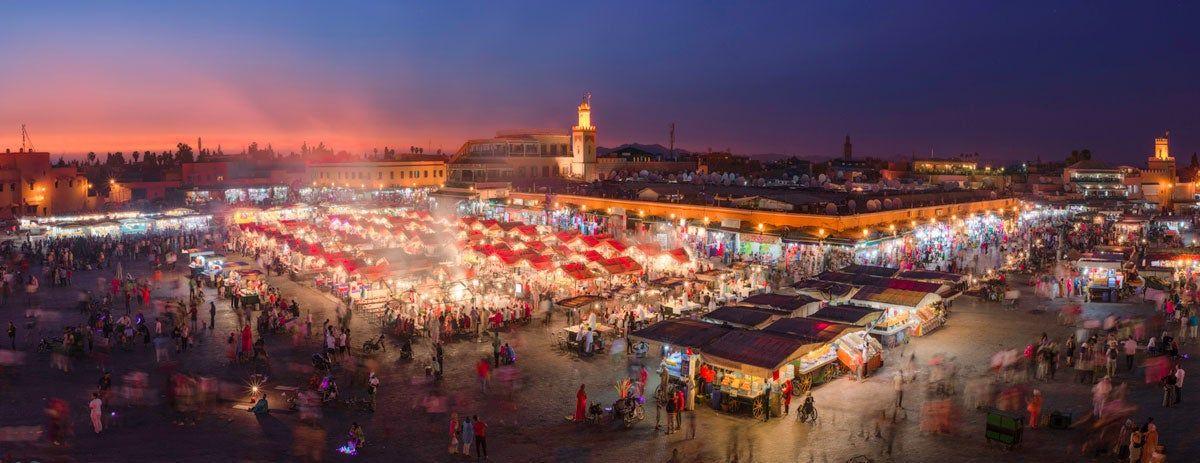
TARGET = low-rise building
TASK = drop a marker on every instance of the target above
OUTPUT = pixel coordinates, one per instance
(410, 171)
(30, 185)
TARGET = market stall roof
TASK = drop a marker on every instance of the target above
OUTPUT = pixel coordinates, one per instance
(1158, 256)
(776, 301)
(667, 282)
(592, 241)
(649, 249)
(872, 270)
(620, 265)
(680, 255)
(1095, 262)
(683, 332)
(741, 317)
(933, 275)
(827, 289)
(810, 329)
(580, 301)
(616, 246)
(567, 236)
(578, 271)
(711, 274)
(872, 295)
(884, 282)
(848, 314)
(756, 353)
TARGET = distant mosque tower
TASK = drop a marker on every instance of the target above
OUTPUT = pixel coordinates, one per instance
(1162, 147)
(1160, 168)
(846, 148)
(583, 143)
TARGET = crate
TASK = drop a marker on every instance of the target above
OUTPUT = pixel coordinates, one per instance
(1004, 428)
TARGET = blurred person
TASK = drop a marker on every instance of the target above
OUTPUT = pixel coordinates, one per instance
(1100, 396)
(1179, 375)
(96, 412)
(480, 437)
(1034, 407)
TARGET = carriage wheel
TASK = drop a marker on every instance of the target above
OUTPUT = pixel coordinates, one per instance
(759, 410)
(801, 386)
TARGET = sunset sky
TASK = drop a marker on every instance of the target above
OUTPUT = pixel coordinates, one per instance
(1010, 81)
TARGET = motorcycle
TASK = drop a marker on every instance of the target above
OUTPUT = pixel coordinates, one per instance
(371, 345)
(629, 410)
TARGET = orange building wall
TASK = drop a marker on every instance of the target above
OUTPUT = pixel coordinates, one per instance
(754, 217)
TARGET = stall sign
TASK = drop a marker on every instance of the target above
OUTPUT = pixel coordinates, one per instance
(759, 238)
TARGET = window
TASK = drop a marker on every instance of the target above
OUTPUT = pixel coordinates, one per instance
(425, 174)
(391, 175)
(380, 176)
(71, 183)
(56, 184)
(545, 171)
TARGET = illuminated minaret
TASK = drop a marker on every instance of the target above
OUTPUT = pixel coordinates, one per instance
(1160, 172)
(583, 143)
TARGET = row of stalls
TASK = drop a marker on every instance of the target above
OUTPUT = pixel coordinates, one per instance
(742, 359)
(911, 302)
(746, 353)
(117, 224)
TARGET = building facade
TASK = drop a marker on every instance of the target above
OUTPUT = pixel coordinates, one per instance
(30, 185)
(428, 171)
(530, 154)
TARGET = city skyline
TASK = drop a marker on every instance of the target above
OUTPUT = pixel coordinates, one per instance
(792, 80)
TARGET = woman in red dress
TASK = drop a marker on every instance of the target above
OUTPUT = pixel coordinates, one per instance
(581, 404)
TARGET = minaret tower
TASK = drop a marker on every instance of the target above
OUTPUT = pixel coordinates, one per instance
(583, 143)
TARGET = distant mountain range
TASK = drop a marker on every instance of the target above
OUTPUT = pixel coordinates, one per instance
(661, 150)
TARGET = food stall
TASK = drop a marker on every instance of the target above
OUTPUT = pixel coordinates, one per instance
(903, 309)
(750, 369)
(819, 363)
(205, 265)
(742, 317)
(681, 340)
(1105, 277)
(247, 285)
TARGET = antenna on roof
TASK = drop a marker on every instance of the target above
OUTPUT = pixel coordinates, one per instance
(26, 142)
(671, 149)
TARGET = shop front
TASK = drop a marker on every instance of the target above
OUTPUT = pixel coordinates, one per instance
(759, 247)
